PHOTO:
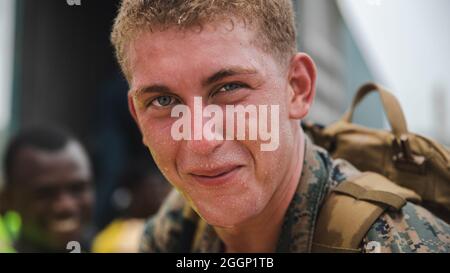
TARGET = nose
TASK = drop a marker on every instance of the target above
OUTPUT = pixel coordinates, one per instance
(64, 204)
(203, 147)
(207, 129)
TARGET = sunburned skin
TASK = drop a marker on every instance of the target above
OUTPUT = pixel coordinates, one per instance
(230, 183)
(252, 122)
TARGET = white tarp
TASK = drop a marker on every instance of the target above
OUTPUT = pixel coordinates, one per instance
(406, 44)
(7, 16)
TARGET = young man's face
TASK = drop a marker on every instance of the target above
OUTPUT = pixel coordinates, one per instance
(229, 181)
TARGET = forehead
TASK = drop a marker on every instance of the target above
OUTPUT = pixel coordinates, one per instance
(33, 165)
(175, 54)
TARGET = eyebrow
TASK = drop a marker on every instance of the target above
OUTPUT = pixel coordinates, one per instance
(152, 89)
(228, 72)
(219, 75)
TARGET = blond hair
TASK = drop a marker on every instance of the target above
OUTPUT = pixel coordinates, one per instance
(273, 21)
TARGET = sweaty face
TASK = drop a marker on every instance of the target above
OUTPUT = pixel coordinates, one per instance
(53, 194)
(226, 181)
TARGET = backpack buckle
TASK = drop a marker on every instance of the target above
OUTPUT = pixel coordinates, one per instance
(405, 160)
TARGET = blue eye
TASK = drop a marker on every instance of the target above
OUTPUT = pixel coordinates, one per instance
(230, 87)
(163, 101)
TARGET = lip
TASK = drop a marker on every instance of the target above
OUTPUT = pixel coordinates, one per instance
(216, 176)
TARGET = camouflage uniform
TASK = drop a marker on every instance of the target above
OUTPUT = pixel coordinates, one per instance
(412, 229)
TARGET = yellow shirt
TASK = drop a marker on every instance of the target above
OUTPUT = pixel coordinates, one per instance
(121, 236)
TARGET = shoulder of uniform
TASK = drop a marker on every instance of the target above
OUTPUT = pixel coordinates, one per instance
(343, 171)
(411, 229)
(339, 170)
(172, 228)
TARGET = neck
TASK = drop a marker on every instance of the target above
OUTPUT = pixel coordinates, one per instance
(261, 233)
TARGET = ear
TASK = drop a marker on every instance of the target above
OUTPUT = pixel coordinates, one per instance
(302, 81)
(132, 109)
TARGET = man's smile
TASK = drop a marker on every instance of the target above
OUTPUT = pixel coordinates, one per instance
(215, 176)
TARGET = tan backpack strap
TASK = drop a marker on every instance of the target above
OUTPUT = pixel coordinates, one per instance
(391, 106)
(352, 208)
(374, 187)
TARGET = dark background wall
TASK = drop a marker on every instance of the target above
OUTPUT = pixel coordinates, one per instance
(64, 57)
(66, 75)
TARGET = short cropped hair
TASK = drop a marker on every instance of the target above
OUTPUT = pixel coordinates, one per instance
(272, 20)
(45, 138)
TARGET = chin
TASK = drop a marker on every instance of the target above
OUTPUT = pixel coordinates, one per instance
(223, 222)
(227, 216)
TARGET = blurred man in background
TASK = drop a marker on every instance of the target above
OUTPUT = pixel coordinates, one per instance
(48, 181)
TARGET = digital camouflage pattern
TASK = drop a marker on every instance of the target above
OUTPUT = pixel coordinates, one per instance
(412, 229)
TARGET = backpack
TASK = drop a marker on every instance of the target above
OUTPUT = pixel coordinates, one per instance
(399, 166)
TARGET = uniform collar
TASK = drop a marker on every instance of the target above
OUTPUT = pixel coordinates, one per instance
(299, 221)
